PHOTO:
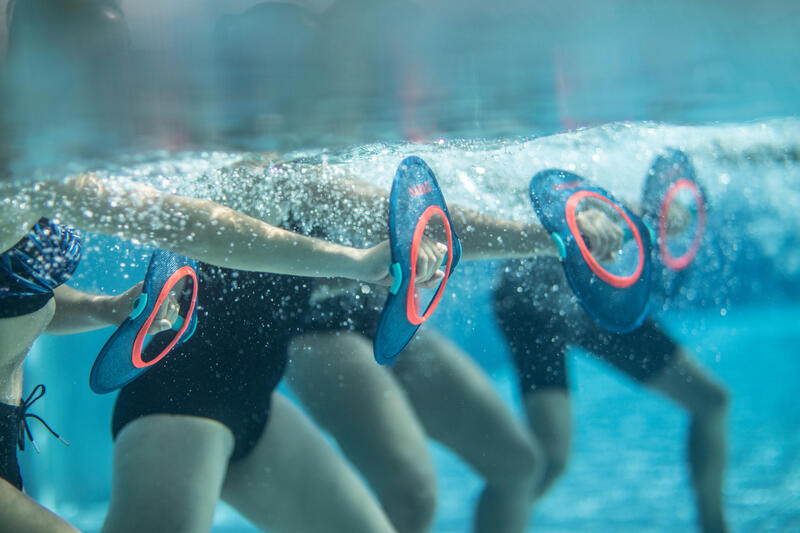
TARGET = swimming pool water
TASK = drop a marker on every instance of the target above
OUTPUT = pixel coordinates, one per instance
(488, 94)
(627, 470)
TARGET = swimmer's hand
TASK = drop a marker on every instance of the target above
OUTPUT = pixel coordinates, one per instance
(678, 219)
(602, 236)
(429, 259)
(166, 315)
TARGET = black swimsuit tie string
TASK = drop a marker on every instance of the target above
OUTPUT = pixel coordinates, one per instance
(24, 428)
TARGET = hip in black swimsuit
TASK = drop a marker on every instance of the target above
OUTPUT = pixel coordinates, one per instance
(235, 360)
(541, 317)
(229, 369)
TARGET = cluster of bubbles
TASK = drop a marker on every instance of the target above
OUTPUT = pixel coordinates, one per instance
(748, 170)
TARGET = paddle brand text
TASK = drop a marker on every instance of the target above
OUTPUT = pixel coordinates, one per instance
(567, 185)
(420, 189)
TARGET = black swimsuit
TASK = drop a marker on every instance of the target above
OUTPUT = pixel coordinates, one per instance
(9, 432)
(229, 369)
(540, 317)
(29, 272)
(351, 311)
(235, 360)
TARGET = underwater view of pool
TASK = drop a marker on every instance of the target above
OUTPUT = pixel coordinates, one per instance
(220, 101)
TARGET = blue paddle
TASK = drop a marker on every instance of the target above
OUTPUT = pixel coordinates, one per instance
(415, 198)
(129, 353)
(615, 293)
(671, 184)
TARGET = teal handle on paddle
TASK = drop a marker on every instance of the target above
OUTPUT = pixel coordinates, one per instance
(139, 305)
(627, 235)
(562, 248)
(178, 324)
(397, 277)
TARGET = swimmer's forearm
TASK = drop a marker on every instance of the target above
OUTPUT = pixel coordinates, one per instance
(237, 241)
(224, 237)
(207, 231)
(78, 312)
(488, 237)
(482, 236)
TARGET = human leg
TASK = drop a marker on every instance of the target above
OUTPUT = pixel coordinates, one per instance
(367, 412)
(21, 514)
(459, 408)
(706, 400)
(167, 474)
(549, 413)
(294, 480)
(650, 356)
(538, 319)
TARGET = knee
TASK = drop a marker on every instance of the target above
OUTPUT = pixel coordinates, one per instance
(521, 466)
(410, 501)
(715, 403)
(555, 464)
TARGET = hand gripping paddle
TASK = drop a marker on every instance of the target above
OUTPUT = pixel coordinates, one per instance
(414, 199)
(614, 293)
(128, 353)
(671, 196)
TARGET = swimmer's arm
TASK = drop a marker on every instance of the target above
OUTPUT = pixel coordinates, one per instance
(482, 236)
(78, 311)
(19, 513)
(366, 207)
(678, 216)
(203, 230)
(488, 237)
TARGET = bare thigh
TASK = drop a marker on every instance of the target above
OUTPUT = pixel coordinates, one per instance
(691, 387)
(294, 480)
(16, 337)
(365, 409)
(167, 475)
(21, 514)
(549, 413)
(458, 406)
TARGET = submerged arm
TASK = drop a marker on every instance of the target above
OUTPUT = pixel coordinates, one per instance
(78, 311)
(202, 229)
(352, 204)
(489, 237)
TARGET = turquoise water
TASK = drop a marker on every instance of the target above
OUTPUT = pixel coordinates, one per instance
(488, 95)
(738, 314)
(622, 433)
(628, 472)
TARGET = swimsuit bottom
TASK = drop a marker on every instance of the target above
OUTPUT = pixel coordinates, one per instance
(228, 370)
(540, 317)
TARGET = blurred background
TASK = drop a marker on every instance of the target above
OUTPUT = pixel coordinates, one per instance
(201, 74)
(169, 90)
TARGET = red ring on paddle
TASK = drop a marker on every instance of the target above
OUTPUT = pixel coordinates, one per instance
(620, 282)
(178, 275)
(681, 262)
(412, 309)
